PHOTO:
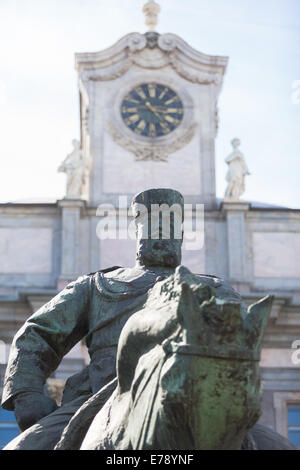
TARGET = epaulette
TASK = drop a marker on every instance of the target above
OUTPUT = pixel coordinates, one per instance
(107, 270)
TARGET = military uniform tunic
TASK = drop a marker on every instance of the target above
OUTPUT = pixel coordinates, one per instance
(96, 307)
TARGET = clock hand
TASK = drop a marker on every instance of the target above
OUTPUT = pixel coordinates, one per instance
(152, 109)
(149, 106)
(160, 118)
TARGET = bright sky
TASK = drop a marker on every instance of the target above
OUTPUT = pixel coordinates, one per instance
(39, 106)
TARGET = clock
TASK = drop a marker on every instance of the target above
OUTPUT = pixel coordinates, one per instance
(152, 110)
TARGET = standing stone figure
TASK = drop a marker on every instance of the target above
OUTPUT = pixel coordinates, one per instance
(236, 172)
(76, 167)
(172, 354)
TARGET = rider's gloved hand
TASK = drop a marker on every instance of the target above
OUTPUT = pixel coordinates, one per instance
(30, 407)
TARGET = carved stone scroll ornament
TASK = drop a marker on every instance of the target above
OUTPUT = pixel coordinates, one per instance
(112, 75)
(144, 151)
(137, 42)
(202, 78)
(166, 42)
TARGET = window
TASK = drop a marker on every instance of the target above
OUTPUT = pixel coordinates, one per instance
(8, 427)
(283, 401)
(294, 424)
(2, 352)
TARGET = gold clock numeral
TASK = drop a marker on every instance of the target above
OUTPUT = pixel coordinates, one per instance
(165, 127)
(152, 90)
(141, 93)
(152, 130)
(172, 100)
(132, 119)
(132, 100)
(141, 126)
(174, 111)
(125, 109)
(163, 93)
(172, 120)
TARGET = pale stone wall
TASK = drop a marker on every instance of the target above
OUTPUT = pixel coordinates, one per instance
(181, 172)
(273, 250)
(30, 246)
(258, 250)
(276, 255)
(25, 250)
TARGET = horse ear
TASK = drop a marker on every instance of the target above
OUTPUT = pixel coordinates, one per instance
(188, 304)
(183, 274)
(256, 321)
(188, 313)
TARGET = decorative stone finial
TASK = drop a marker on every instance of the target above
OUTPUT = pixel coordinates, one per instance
(151, 10)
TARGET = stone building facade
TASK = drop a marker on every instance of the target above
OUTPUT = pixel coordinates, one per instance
(255, 247)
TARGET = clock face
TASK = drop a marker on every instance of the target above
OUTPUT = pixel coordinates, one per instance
(152, 110)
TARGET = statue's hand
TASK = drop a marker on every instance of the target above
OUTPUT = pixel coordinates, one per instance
(30, 407)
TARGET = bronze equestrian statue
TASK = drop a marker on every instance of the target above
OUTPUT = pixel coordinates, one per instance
(174, 356)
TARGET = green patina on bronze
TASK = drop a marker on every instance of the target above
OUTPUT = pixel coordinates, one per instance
(187, 377)
(174, 356)
(158, 252)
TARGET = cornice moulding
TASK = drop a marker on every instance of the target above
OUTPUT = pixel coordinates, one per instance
(207, 69)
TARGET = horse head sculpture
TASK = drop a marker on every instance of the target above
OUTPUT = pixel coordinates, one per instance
(188, 371)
